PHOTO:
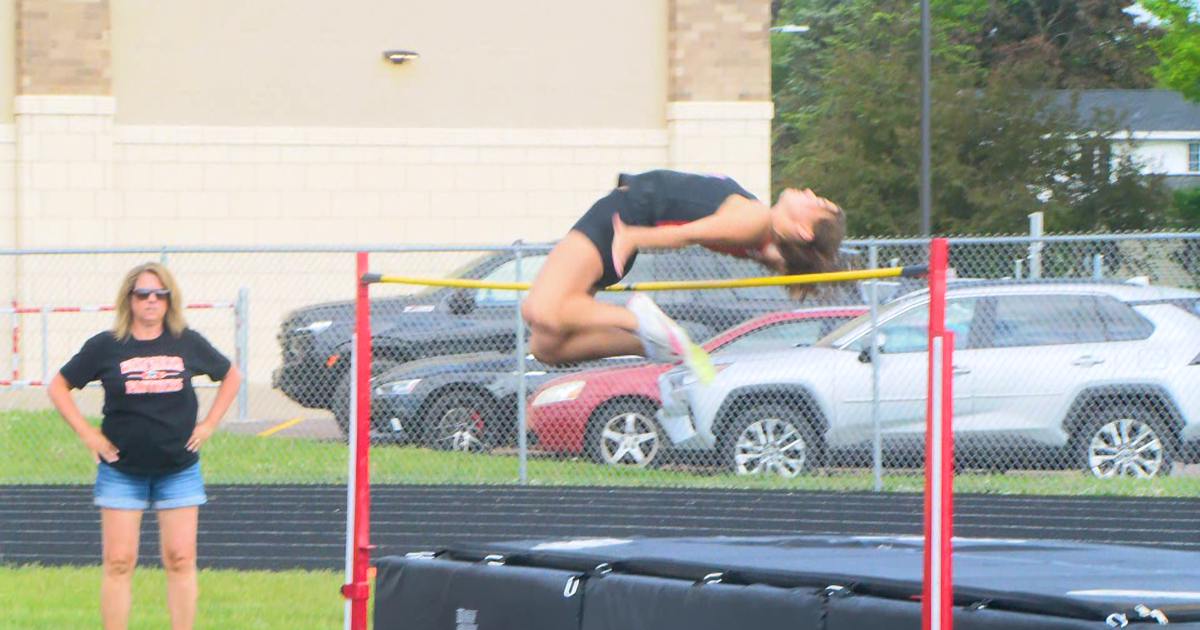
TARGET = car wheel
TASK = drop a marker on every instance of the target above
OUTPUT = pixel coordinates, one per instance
(458, 421)
(340, 403)
(773, 439)
(1125, 441)
(625, 433)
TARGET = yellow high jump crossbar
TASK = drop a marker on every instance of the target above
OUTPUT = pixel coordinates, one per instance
(908, 271)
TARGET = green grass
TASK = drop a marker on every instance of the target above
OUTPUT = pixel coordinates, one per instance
(38, 447)
(34, 597)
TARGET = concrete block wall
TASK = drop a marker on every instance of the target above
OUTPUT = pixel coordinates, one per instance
(732, 138)
(88, 182)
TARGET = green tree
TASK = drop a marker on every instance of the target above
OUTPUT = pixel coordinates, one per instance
(1178, 49)
(1067, 43)
(1185, 215)
(1185, 208)
(797, 67)
(848, 124)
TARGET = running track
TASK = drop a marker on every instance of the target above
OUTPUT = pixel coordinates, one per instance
(275, 527)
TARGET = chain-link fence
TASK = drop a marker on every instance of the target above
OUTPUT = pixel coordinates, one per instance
(1073, 364)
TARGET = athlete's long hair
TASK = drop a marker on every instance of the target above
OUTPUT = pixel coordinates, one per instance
(173, 321)
(820, 255)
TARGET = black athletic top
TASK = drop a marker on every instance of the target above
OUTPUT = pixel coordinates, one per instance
(669, 197)
(149, 405)
(654, 198)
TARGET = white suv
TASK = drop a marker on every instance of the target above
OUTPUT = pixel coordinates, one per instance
(1099, 377)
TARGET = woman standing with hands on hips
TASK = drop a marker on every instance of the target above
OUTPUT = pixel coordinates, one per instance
(147, 447)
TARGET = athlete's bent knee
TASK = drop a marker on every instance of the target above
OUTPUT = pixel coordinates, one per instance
(545, 348)
(541, 315)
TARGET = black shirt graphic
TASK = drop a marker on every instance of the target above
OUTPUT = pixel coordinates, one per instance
(150, 407)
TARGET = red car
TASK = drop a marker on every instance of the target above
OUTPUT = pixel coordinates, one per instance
(608, 413)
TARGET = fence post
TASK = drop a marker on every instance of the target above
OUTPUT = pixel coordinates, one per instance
(1035, 246)
(357, 589)
(241, 341)
(876, 433)
(522, 441)
(1098, 267)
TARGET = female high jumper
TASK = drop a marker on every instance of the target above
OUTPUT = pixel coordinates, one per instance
(800, 234)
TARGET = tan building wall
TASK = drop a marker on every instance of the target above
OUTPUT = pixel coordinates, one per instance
(720, 50)
(530, 64)
(8, 208)
(94, 183)
(719, 115)
(63, 47)
(8, 68)
(8, 33)
(286, 127)
(8, 85)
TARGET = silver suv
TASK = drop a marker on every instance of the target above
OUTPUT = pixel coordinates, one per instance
(1099, 377)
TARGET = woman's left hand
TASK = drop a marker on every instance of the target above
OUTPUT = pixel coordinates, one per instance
(200, 435)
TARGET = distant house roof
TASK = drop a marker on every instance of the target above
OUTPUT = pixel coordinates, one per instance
(1140, 110)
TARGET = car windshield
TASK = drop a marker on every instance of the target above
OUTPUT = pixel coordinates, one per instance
(841, 331)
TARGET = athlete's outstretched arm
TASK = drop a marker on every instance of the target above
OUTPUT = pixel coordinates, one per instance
(739, 222)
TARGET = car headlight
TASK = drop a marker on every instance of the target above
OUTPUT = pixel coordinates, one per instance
(673, 377)
(559, 393)
(316, 327)
(680, 377)
(398, 388)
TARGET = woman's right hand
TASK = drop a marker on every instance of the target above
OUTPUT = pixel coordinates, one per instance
(100, 446)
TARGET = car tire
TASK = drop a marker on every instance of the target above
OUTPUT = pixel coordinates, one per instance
(461, 420)
(1124, 441)
(771, 438)
(340, 403)
(625, 433)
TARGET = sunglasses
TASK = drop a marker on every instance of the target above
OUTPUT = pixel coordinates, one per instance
(145, 293)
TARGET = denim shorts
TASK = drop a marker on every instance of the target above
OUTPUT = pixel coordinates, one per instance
(123, 491)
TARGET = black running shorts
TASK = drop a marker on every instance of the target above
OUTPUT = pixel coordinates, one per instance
(597, 225)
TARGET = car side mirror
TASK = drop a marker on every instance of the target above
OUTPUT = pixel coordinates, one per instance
(865, 355)
(461, 301)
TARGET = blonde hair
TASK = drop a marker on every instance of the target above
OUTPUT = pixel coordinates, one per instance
(173, 321)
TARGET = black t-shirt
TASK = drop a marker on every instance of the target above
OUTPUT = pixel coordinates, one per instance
(149, 405)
